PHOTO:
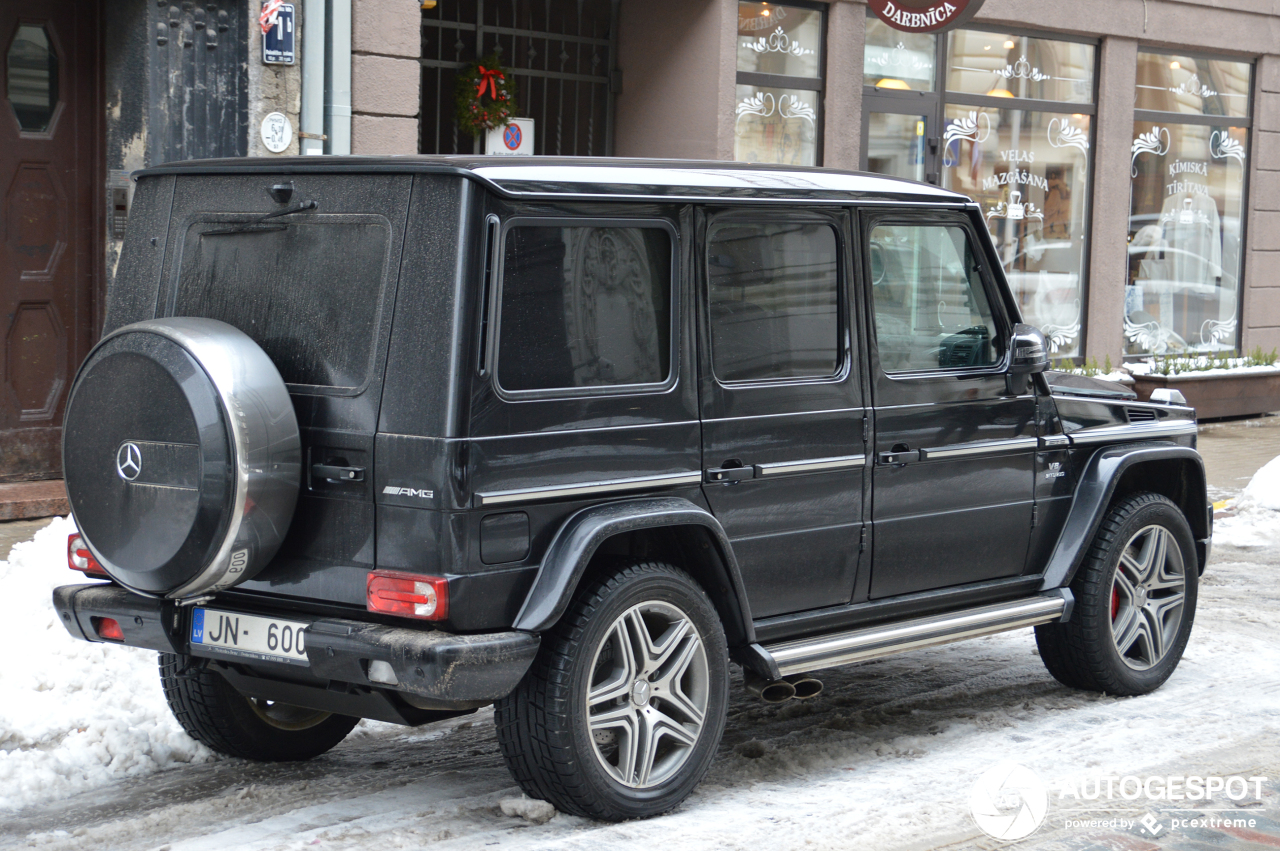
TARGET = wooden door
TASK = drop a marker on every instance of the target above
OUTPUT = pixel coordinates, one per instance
(49, 222)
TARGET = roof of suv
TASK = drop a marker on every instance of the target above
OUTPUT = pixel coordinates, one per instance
(607, 177)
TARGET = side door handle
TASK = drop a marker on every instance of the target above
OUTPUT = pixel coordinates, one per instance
(899, 455)
(730, 474)
(337, 474)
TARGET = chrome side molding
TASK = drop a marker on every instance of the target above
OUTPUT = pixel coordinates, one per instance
(831, 651)
(980, 447)
(587, 488)
(811, 465)
(1106, 434)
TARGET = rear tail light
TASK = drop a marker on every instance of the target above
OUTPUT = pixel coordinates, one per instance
(79, 558)
(408, 595)
(108, 628)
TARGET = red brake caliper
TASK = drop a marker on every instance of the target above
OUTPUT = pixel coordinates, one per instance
(1115, 602)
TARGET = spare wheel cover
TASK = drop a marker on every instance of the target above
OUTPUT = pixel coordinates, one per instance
(181, 455)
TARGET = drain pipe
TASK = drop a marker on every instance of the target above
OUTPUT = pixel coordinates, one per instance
(311, 121)
(337, 79)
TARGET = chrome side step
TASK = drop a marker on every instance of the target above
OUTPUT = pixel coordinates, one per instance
(831, 651)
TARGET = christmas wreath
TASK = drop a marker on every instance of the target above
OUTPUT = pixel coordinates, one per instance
(486, 96)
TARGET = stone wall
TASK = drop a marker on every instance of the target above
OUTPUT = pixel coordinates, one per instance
(386, 42)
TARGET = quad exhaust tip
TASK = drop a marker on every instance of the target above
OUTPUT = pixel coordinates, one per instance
(799, 687)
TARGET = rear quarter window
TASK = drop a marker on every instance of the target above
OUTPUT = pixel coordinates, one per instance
(584, 306)
(310, 293)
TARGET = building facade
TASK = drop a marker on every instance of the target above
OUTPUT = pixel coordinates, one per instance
(1126, 153)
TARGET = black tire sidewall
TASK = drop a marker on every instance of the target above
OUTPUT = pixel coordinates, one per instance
(1157, 511)
(666, 585)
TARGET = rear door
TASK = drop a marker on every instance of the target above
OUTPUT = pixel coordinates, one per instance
(314, 288)
(782, 409)
(954, 445)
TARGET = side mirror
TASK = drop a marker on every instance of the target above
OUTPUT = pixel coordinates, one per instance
(1030, 351)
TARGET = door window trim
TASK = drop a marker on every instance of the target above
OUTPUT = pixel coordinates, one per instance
(844, 333)
(495, 287)
(868, 222)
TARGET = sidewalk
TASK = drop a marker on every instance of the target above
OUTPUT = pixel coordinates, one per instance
(1234, 450)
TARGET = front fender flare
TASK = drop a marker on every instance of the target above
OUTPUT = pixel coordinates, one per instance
(1093, 495)
(576, 542)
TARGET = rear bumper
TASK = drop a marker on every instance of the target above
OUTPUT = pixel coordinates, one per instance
(431, 670)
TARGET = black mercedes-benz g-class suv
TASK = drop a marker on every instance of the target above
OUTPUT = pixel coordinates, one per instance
(402, 438)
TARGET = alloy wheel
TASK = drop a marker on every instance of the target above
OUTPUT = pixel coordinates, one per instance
(647, 697)
(1148, 594)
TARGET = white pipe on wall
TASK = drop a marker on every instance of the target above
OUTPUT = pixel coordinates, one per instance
(337, 82)
(313, 67)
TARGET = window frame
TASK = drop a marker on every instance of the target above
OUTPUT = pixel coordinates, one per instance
(496, 287)
(869, 220)
(844, 330)
(786, 81)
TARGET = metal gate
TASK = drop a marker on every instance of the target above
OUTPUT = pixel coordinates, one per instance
(562, 55)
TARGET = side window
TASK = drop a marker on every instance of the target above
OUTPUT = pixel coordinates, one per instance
(931, 309)
(584, 306)
(775, 308)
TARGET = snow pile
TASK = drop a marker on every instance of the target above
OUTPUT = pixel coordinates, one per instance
(1255, 520)
(73, 715)
(529, 809)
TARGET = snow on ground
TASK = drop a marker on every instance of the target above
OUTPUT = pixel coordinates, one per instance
(885, 758)
(73, 715)
(1253, 519)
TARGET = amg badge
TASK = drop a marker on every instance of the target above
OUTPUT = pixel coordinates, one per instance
(391, 490)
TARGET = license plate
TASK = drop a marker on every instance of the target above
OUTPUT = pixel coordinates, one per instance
(249, 636)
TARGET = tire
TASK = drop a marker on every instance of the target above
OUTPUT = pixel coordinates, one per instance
(1135, 602)
(575, 731)
(216, 715)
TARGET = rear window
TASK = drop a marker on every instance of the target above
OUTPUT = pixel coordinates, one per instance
(309, 293)
(584, 306)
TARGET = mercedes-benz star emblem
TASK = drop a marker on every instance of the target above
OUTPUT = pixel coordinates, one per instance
(129, 461)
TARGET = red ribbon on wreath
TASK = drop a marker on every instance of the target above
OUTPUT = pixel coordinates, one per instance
(487, 79)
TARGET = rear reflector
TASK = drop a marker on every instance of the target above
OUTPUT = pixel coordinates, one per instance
(108, 628)
(408, 595)
(79, 558)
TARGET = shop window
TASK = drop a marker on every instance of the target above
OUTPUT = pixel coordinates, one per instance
(584, 307)
(898, 61)
(1010, 124)
(774, 301)
(32, 74)
(1193, 86)
(1029, 171)
(1189, 178)
(1185, 250)
(777, 113)
(1013, 66)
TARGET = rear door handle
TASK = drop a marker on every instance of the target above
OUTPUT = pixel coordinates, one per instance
(900, 457)
(337, 474)
(730, 474)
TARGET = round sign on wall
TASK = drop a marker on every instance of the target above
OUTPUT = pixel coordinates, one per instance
(925, 16)
(277, 132)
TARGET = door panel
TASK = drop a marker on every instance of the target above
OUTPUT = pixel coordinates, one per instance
(954, 449)
(48, 148)
(782, 418)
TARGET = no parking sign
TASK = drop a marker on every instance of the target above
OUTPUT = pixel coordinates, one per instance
(514, 140)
